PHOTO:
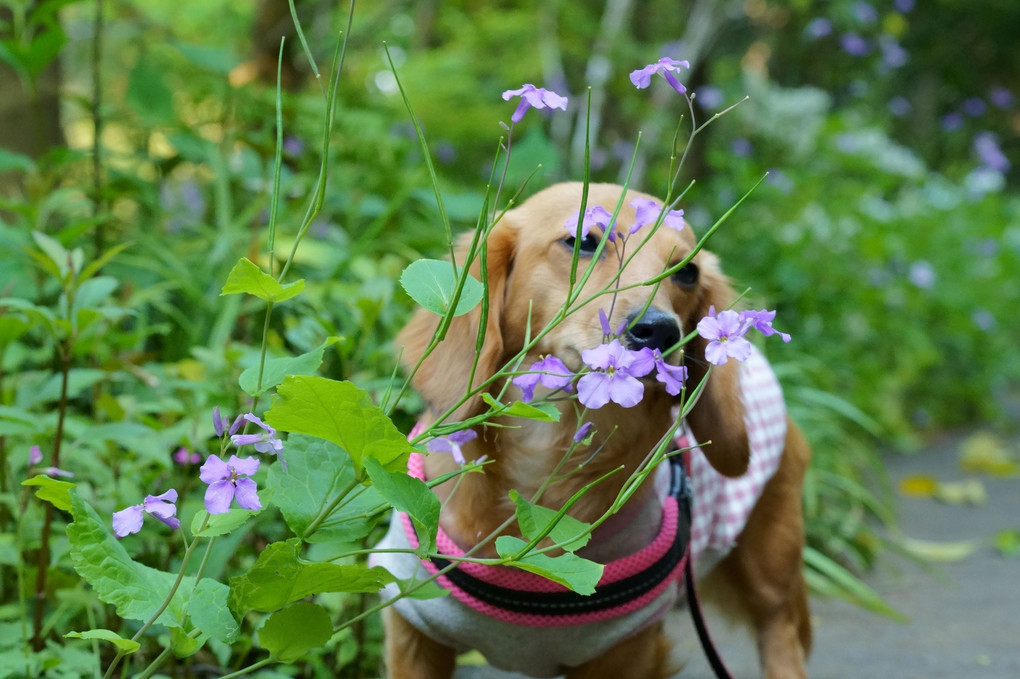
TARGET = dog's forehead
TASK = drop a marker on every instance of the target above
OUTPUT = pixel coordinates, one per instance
(552, 215)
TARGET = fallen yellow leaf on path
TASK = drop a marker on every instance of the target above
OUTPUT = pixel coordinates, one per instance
(918, 485)
(986, 453)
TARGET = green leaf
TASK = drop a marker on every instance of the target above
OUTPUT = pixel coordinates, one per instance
(54, 251)
(137, 591)
(569, 570)
(148, 93)
(432, 284)
(1008, 542)
(319, 486)
(246, 277)
(342, 413)
(123, 645)
(280, 577)
(10, 160)
(219, 524)
(828, 577)
(185, 646)
(289, 634)
(53, 491)
(534, 520)
(541, 412)
(278, 368)
(411, 496)
(422, 589)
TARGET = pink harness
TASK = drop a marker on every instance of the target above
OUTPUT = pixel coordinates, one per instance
(557, 635)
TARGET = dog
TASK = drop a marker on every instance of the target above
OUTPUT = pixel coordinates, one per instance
(758, 577)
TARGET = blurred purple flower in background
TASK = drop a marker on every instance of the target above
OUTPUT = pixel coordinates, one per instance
(893, 54)
(903, 6)
(986, 145)
(1001, 97)
(818, 28)
(741, 147)
(184, 456)
(922, 274)
(709, 97)
(34, 456)
(854, 45)
(899, 106)
(865, 12)
(951, 122)
(974, 106)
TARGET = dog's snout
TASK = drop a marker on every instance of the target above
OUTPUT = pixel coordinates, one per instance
(655, 330)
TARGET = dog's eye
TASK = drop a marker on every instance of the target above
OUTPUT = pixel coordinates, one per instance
(687, 277)
(589, 244)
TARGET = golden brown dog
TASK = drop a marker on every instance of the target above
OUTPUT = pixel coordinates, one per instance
(529, 259)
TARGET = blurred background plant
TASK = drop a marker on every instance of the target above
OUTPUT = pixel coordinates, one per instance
(887, 233)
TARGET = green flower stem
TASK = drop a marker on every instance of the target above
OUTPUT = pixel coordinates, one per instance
(327, 510)
(251, 668)
(166, 602)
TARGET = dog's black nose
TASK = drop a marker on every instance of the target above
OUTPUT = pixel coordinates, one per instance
(655, 330)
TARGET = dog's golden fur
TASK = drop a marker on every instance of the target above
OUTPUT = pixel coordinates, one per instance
(529, 258)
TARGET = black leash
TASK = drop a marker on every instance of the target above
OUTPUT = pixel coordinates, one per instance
(685, 497)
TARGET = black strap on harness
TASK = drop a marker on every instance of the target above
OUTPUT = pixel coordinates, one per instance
(685, 498)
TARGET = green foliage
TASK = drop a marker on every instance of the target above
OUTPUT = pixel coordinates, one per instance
(140, 286)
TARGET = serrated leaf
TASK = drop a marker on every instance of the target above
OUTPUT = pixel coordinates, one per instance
(51, 490)
(569, 570)
(289, 634)
(280, 577)
(277, 368)
(248, 278)
(123, 645)
(432, 283)
(411, 496)
(569, 533)
(342, 413)
(318, 474)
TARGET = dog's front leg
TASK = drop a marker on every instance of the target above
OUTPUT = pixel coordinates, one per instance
(412, 655)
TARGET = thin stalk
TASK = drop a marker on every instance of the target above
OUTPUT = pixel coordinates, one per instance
(99, 236)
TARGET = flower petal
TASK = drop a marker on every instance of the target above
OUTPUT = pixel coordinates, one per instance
(127, 521)
(593, 390)
(243, 466)
(213, 470)
(218, 497)
(246, 494)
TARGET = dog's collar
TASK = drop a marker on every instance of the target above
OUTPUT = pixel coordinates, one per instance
(523, 598)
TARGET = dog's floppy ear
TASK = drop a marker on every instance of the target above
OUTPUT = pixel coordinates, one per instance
(443, 377)
(718, 416)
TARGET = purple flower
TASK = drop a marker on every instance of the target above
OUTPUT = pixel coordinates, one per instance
(709, 97)
(865, 12)
(34, 456)
(614, 376)
(741, 147)
(57, 471)
(854, 45)
(903, 6)
(220, 424)
(665, 67)
(899, 106)
(725, 334)
(534, 97)
(818, 28)
(762, 322)
(582, 432)
(987, 147)
(952, 122)
(1001, 97)
(893, 54)
(647, 212)
(129, 520)
(922, 274)
(974, 106)
(593, 216)
(551, 372)
(264, 442)
(184, 456)
(229, 481)
(452, 444)
(673, 376)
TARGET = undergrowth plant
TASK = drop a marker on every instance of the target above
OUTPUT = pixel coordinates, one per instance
(259, 552)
